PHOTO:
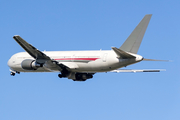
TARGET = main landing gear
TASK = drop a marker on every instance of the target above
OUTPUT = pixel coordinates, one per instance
(64, 73)
(60, 75)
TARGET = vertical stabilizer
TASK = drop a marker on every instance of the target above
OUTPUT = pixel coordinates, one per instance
(133, 42)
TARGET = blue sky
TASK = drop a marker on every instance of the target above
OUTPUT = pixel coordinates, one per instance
(91, 25)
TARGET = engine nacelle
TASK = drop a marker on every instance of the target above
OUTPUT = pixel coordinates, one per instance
(30, 64)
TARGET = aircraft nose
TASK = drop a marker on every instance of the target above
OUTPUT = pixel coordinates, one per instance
(10, 62)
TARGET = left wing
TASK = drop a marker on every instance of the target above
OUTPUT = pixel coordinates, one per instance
(134, 71)
(35, 53)
(39, 56)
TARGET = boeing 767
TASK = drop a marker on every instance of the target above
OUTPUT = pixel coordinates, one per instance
(81, 65)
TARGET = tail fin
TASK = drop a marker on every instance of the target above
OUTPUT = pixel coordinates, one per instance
(133, 42)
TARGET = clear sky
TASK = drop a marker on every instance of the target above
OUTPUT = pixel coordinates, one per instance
(91, 25)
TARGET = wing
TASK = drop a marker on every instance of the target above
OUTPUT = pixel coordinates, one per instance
(35, 53)
(39, 56)
(134, 71)
(156, 60)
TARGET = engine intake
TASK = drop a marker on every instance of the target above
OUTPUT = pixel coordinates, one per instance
(29, 64)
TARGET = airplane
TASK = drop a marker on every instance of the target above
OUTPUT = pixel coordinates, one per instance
(81, 65)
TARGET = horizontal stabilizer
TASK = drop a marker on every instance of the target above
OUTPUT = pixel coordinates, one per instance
(134, 71)
(122, 54)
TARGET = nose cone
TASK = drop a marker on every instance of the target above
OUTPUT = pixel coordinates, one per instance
(10, 62)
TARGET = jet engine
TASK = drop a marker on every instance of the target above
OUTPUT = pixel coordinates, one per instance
(30, 64)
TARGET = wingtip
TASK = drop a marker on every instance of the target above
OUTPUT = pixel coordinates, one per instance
(169, 60)
(16, 36)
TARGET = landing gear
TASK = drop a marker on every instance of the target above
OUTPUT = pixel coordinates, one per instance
(12, 74)
(60, 75)
(64, 73)
(75, 76)
(83, 76)
(18, 72)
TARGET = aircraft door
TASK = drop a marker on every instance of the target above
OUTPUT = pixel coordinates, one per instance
(104, 57)
(73, 57)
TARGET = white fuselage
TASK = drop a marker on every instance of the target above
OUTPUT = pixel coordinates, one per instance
(77, 61)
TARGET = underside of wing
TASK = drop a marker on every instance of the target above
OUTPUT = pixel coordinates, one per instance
(156, 60)
(134, 71)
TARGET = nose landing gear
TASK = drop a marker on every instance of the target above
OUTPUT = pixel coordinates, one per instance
(13, 73)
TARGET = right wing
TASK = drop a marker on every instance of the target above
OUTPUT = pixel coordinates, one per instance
(39, 56)
(144, 59)
(134, 71)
